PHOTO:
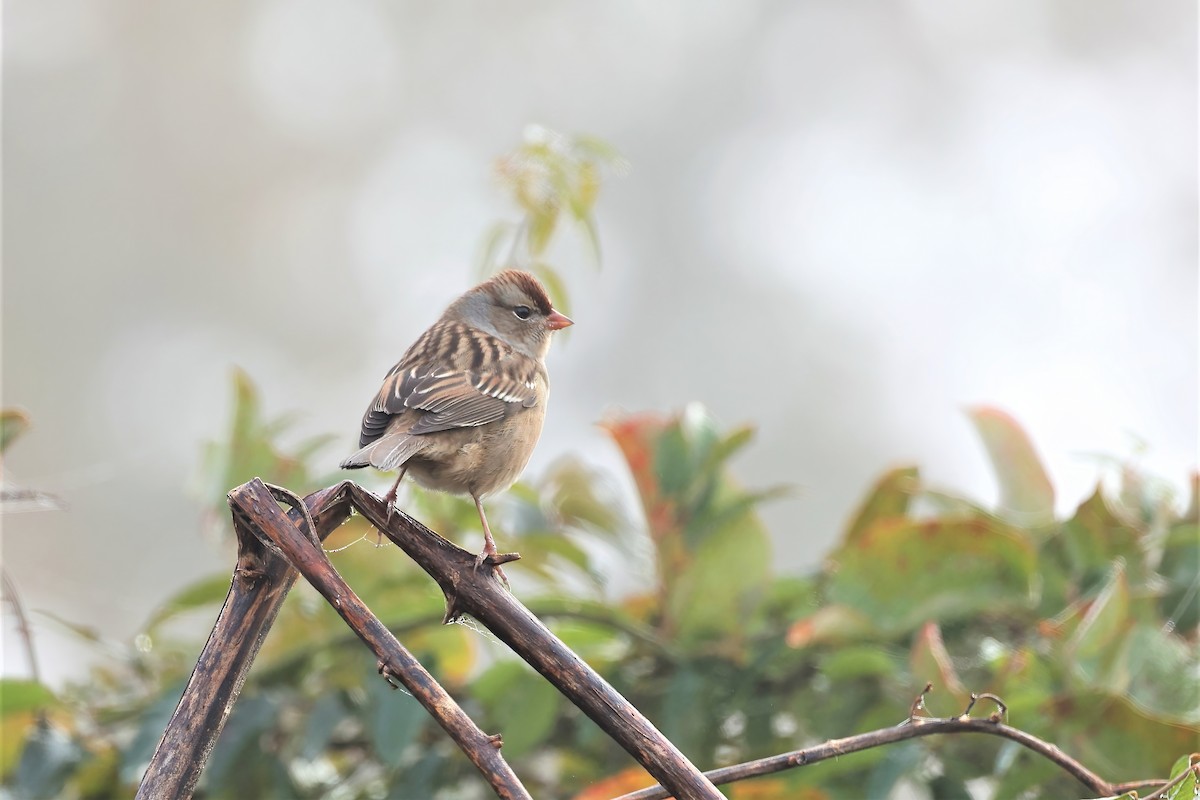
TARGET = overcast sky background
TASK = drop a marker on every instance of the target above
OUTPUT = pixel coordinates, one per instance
(843, 221)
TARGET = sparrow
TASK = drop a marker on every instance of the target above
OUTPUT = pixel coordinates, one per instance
(462, 410)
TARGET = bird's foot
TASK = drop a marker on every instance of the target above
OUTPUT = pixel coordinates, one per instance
(390, 500)
(494, 559)
(480, 559)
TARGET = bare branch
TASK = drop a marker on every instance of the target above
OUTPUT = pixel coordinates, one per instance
(261, 581)
(480, 594)
(254, 507)
(912, 728)
(1192, 771)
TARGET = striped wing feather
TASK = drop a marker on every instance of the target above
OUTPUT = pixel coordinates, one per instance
(458, 391)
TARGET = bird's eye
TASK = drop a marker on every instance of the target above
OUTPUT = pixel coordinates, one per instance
(523, 312)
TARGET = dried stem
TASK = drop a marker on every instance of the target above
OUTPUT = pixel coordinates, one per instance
(912, 728)
(14, 600)
(1191, 772)
(480, 594)
(261, 581)
(254, 507)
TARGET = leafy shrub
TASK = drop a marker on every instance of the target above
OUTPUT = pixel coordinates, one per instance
(1086, 626)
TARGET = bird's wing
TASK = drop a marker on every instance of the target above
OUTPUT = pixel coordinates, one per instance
(447, 395)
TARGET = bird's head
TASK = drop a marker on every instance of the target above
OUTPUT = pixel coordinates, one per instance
(512, 306)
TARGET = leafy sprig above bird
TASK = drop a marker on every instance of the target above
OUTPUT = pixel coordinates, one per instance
(548, 176)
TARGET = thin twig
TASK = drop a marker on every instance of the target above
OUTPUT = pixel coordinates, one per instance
(14, 600)
(912, 728)
(1192, 771)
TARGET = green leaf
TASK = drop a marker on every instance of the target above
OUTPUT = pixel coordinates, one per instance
(1095, 538)
(726, 506)
(592, 235)
(523, 705)
(672, 462)
(949, 504)
(1189, 787)
(555, 286)
(18, 695)
(48, 759)
(832, 624)
(1193, 510)
(1026, 494)
(586, 189)
(541, 228)
(420, 779)
(1023, 771)
(324, 716)
(547, 552)
(858, 661)
(1163, 669)
(251, 449)
(901, 573)
(393, 718)
(1131, 744)
(687, 710)
(13, 424)
(574, 492)
(87, 633)
(727, 446)
(204, 592)
(1097, 646)
(240, 748)
(898, 761)
(1180, 565)
(889, 497)
(724, 582)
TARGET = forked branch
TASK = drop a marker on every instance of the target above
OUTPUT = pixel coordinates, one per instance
(272, 546)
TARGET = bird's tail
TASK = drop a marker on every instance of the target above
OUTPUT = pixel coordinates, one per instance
(387, 453)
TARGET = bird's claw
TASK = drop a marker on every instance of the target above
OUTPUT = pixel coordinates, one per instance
(489, 558)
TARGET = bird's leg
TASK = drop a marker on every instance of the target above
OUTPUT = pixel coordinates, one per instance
(390, 499)
(489, 544)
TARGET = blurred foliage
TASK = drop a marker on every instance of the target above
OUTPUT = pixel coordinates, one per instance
(550, 177)
(13, 423)
(1086, 626)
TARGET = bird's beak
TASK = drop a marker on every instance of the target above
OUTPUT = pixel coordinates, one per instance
(557, 321)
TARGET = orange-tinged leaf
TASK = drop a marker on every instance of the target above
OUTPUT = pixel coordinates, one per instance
(769, 789)
(640, 606)
(1026, 494)
(901, 573)
(13, 423)
(638, 437)
(830, 624)
(623, 782)
(889, 497)
(635, 436)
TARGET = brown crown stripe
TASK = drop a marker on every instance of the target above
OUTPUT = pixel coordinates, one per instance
(529, 285)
